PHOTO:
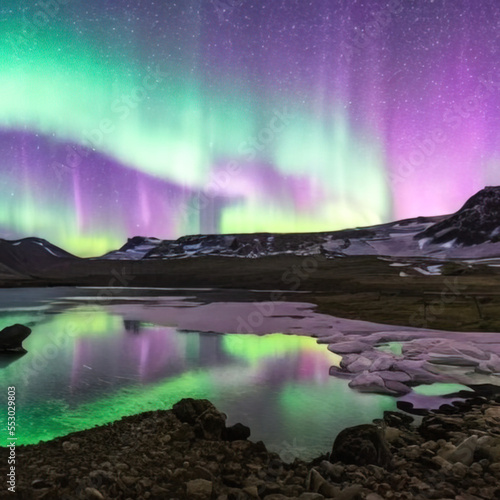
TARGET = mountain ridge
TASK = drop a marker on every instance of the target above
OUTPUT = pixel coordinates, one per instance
(473, 232)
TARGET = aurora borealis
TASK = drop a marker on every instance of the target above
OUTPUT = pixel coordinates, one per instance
(167, 118)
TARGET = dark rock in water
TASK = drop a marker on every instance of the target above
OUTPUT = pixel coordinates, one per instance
(478, 221)
(448, 409)
(361, 445)
(410, 408)
(11, 338)
(237, 432)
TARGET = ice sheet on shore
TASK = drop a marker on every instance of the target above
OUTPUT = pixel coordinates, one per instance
(426, 356)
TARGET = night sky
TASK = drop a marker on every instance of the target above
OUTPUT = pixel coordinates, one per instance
(166, 118)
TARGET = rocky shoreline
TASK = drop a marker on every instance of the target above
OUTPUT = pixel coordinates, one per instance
(189, 453)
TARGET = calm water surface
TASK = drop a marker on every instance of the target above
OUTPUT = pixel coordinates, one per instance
(91, 361)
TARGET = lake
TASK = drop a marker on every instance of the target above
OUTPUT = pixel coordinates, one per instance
(95, 356)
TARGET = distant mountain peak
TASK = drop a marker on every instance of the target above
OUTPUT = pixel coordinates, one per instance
(477, 222)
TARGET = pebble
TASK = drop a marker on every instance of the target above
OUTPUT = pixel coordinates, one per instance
(122, 461)
(199, 489)
(69, 447)
(93, 494)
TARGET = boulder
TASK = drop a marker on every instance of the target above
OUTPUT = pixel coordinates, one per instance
(397, 419)
(208, 422)
(492, 415)
(211, 425)
(188, 409)
(11, 338)
(349, 347)
(360, 364)
(383, 362)
(488, 447)
(316, 483)
(353, 492)
(394, 375)
(200, 489)
(361, 445)
(434, 427)
(374, 382)
(462, 453)
(236, 432)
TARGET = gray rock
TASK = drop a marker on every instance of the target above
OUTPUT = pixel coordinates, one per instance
(464, 452)
(397, 388)
(335, 471)
(382, 363)
(314, 481)
(489, 447)
(493, 415)
(361, 445)
(441, 462)
(459, 470)
(92, 494)
(347, 347)
(199, 489)
(491, 365)
(373, 496)
(394, 375)
(359, 365)
(252, 491)
(311, 496)
(203, 473)
(417, 369)
(392, 434)
(355, 492)
(158, 491)
(373, 382)
(277, 496)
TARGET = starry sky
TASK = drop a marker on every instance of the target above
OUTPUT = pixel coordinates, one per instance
(168, 118)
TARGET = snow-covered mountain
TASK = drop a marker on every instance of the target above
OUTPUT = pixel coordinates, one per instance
(135, 248)
(396, 239)
(27, 255)
(473, 232)
(476, 223)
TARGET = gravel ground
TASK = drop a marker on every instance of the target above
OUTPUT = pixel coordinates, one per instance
(188, 453)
